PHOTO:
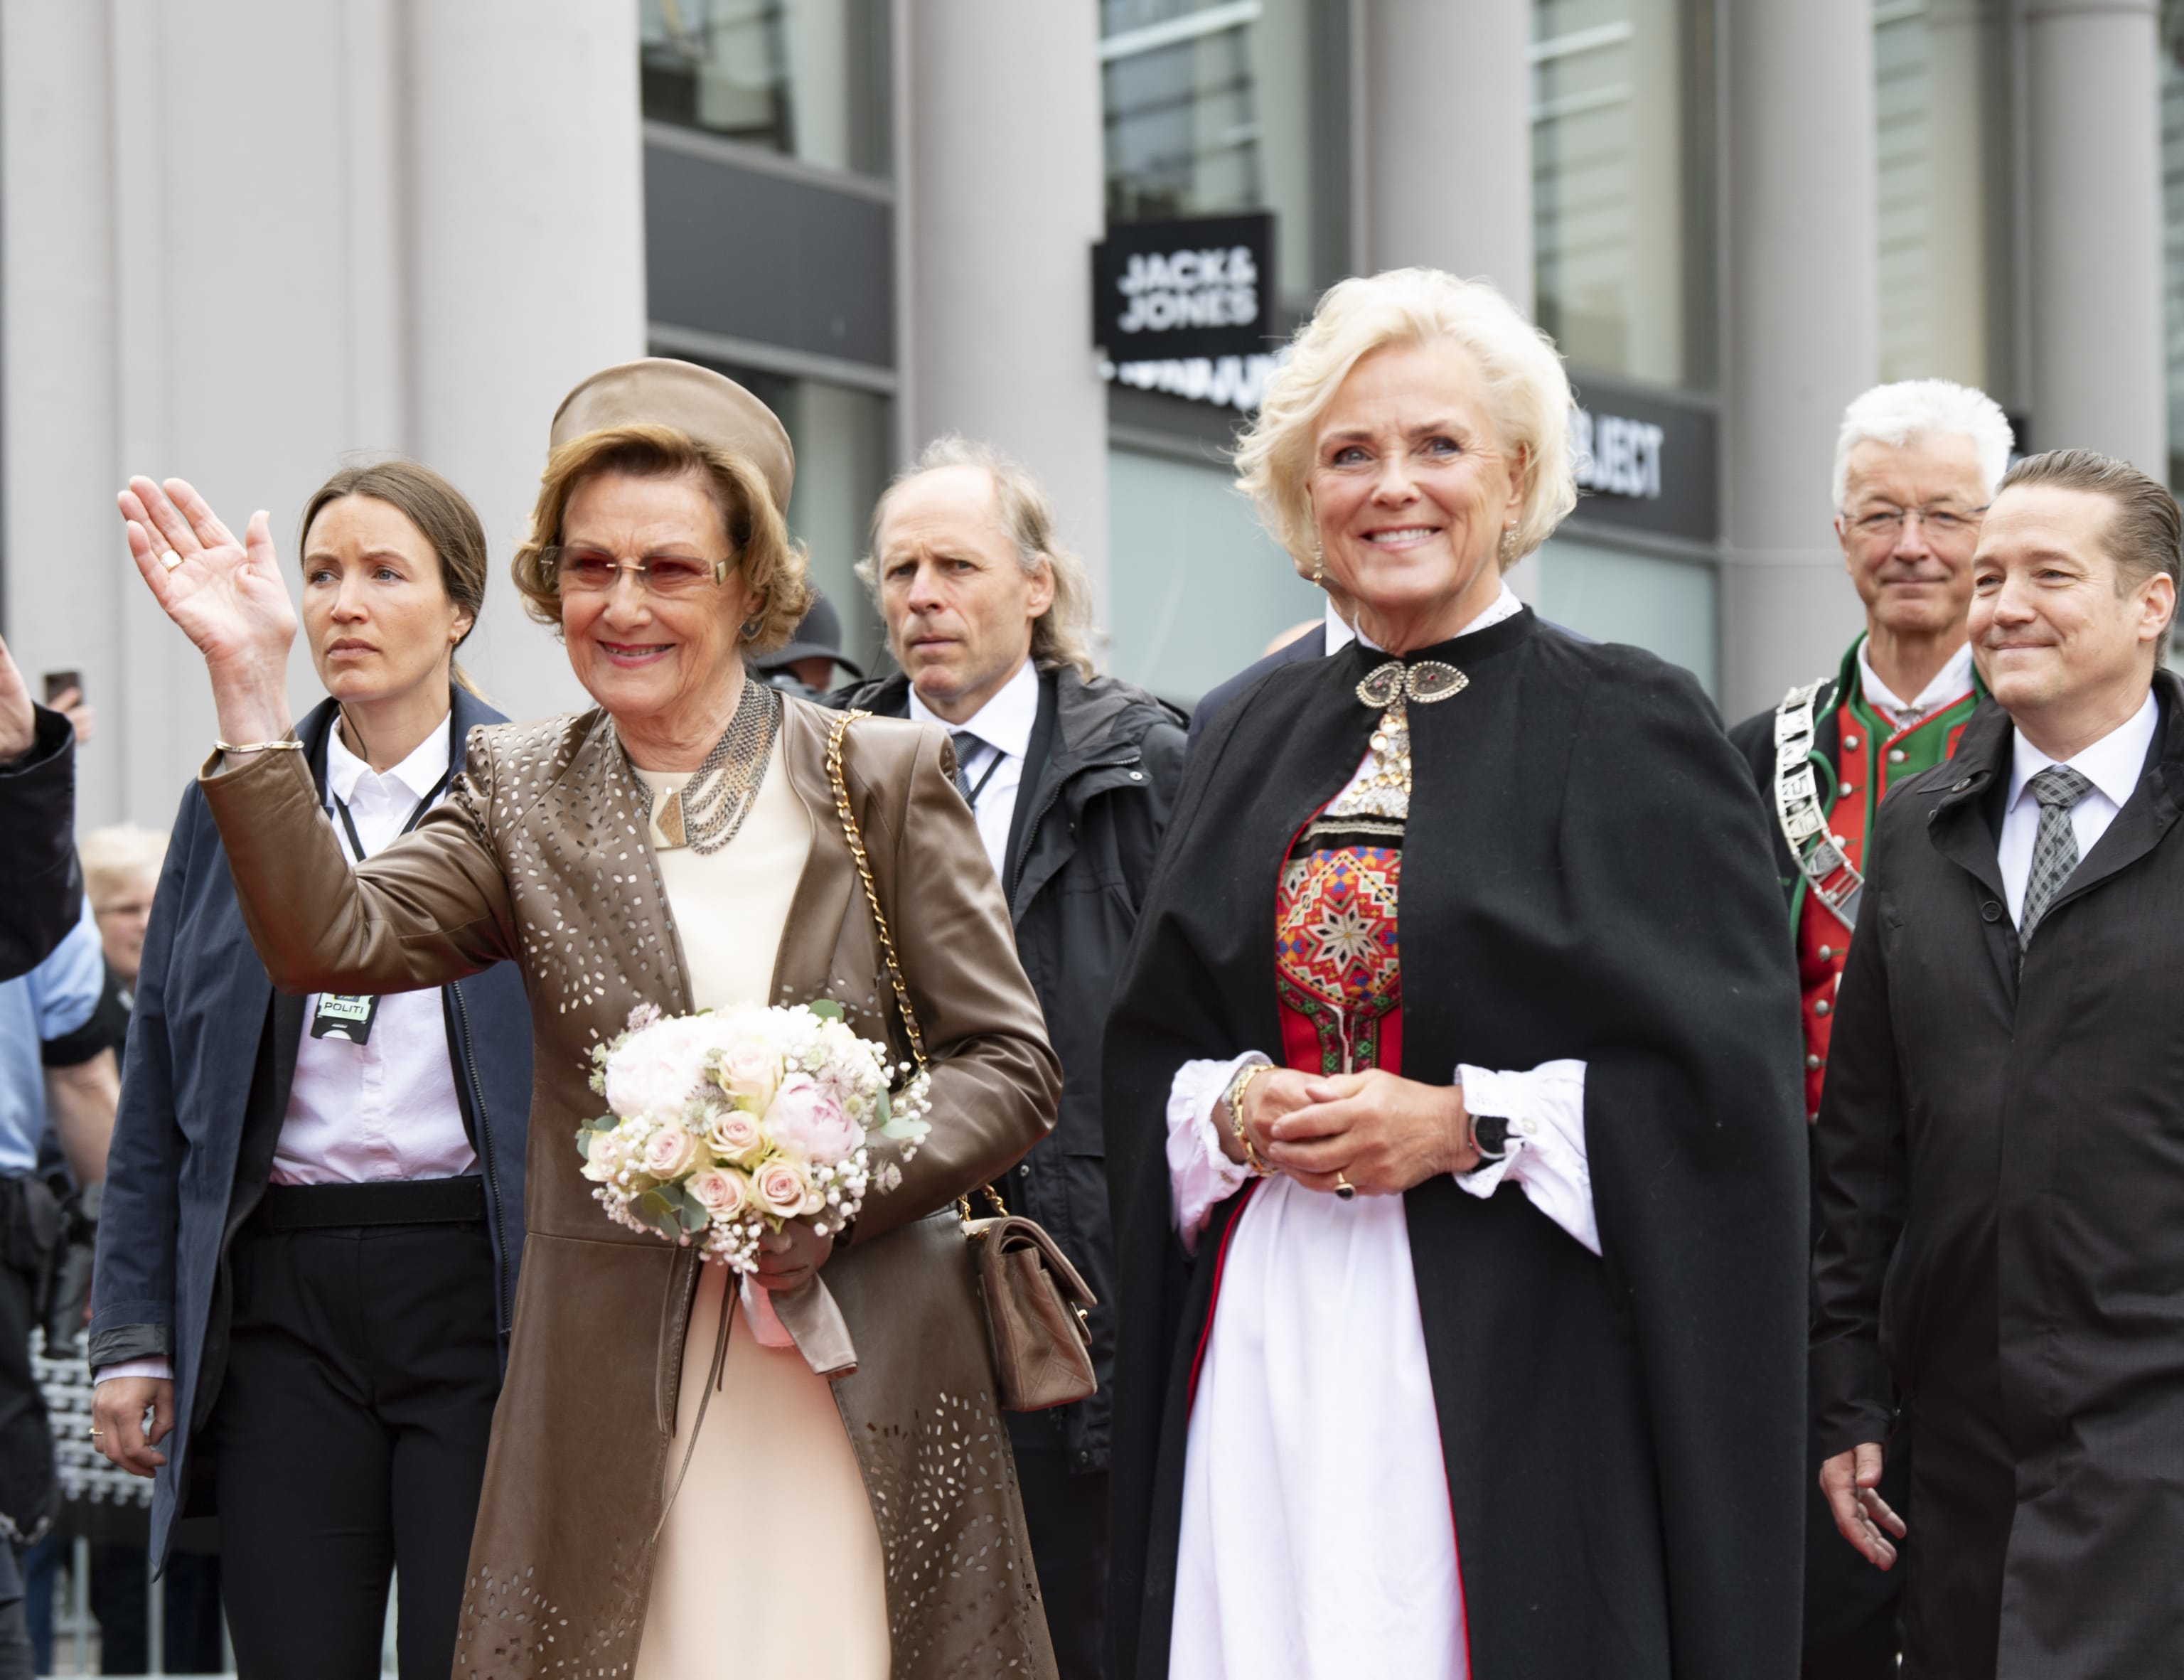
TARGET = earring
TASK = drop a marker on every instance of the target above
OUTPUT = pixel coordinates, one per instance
(1509, 546)
(750, 629)
(1319, 566)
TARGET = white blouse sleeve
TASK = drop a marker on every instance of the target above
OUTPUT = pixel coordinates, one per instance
(153, 1365)
(1545, 1112)
(1200, 1177)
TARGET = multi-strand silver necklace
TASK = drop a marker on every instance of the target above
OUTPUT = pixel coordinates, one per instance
(706, 811)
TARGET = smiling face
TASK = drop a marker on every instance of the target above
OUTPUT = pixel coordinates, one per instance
(665, 664)
(959, 603)
(1914, 575)
(2059, 635)
(1410, 491)
(376, 609)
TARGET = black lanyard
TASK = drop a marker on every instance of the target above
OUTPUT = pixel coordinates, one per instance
(972, 798)
(432, 796)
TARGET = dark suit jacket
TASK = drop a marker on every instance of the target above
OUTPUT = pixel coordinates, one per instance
(37, 847)
(212, 1050)
(2002, 1192)
(1100, 773)
(1312, 644)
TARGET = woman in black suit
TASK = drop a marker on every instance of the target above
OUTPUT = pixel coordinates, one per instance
(314, 1205)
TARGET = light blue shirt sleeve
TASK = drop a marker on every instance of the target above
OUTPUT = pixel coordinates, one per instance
(64, 988)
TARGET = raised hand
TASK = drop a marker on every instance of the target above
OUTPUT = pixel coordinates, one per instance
(228, 596)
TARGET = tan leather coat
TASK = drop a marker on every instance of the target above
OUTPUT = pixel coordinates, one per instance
(540, 856)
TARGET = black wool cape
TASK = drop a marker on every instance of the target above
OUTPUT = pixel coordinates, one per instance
(1586, 873)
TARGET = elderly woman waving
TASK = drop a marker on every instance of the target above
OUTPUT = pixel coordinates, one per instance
(669, 1491)
(1457, 1171)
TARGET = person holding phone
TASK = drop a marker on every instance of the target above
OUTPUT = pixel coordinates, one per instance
(306, 1271)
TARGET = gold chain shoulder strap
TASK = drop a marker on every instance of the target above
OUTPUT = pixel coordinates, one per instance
(849, 833)
(841, 728)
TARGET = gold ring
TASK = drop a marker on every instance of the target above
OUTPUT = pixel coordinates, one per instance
(96, 1432)
(1343, 1187)
(170, 560)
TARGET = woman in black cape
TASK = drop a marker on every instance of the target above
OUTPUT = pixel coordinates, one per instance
(1477, 1345)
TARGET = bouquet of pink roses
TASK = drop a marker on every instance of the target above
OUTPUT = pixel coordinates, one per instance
(724, 1125)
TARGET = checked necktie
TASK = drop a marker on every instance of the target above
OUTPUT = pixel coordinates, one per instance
(2055, 846)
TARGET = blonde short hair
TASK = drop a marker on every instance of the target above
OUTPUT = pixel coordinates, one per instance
(1061, 635)
(1527, 393)
(772, 564)
(113, 858)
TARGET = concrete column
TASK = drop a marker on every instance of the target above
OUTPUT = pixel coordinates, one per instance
(527, 225)
(2093, 203)
(249, 240)
(1444, 131)
(66, 574)
(1801, 331)
(999, 172)
(1965, 294)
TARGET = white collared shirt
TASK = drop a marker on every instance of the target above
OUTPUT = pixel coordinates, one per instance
(2113, 764)
(1952, 683)
(385, 1108)
(1340, 634)
(360, 1114)
(1003, 725)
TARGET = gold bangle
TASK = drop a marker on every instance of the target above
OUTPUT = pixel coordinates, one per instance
(290, 745)
(1237, 1093)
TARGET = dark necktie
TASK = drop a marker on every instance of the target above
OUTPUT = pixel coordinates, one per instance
(2054, 847)
(966, 748)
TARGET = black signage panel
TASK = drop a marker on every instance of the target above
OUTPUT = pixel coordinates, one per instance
(1644, 461)
(1162, 290)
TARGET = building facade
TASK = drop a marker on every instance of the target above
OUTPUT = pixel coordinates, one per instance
(1731, 215)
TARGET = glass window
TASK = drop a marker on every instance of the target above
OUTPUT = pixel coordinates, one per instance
(1199, 588)
(1217, 106)
(1940, 86)
(844, 454)
(1623, 185)
(809, 78)
(1670, 607)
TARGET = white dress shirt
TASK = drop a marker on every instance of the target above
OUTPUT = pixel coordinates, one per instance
(2113, 764)
(1003, 725)
(358, 1114)
(1952, 683)
(385, 1109)
(1294, 1562)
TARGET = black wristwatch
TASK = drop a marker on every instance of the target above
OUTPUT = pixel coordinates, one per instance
(1491, 1134)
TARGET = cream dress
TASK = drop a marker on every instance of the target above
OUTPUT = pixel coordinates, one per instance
(769, 1562)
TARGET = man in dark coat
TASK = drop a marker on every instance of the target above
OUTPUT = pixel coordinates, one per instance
(1916, 463)
(2001, 1188)
(37, 826)
(1071, 778)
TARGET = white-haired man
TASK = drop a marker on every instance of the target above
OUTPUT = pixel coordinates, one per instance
(1916, 464)
(1070, 777)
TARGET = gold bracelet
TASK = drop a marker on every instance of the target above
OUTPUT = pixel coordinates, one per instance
(290, 745)
(1238, 1092)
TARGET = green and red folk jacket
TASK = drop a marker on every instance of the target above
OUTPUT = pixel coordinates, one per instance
(1858, 756)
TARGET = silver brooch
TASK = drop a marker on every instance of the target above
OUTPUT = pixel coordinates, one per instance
(1426, 682)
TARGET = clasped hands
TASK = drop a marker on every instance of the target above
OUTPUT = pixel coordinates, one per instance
(1380, 1132)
